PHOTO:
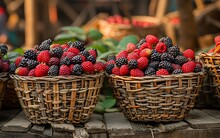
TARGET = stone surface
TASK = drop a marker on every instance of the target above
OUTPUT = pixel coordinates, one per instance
(6, 115)
(167, 127)
(37, 129)
(48, 131)
(63, 127)
(95, 125)
(80, 133)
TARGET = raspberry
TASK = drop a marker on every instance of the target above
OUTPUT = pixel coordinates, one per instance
(142, 63)
(70, 55)
(152, 40)
(93, 52)
(79, 45)
(162, 72)
(83, 58)
(92, 59)
(145, 52)
(88, 67)
(137, 51)
(56, 52)
(121, 61)
(161, 47)
(167, 57)
(5, 67)
(71, 67)
(98, 67)
(12, 68)
(76, 60)
(54, 61)
(77, 70)
(111, 57)
(155, 56)
(65, 61)
(217, 40)
(174, 51)
(41, 70)
(211, 50)
(121, 54)
(64, 70)
(180, 60)
(109, 68)
(132, 56)
(43, 56)
(189, 54)
(177, 71)
(145, 45)
(73, 50)
(132, 64)
(64, 46)
(32, 63)
(150, 71)
(31, 54)
(143, 40)
(18, 61)
(110, 62)
(154, 64)
(167, 41)
(116, 71)
(22, 71)
(188, 66)
(45, 45)
(32, 73)
(166, 65)
(124, 70)
(176, 66)
(130, 47)
(136, 73)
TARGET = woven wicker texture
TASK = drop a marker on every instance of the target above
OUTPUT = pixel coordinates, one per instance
(161, 99)
(59, 99)
(3, 83)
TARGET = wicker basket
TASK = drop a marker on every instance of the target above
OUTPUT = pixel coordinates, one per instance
(60, 99)
(159, 99)
(3, 82)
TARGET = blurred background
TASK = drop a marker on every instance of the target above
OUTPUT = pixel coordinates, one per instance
(190, 23)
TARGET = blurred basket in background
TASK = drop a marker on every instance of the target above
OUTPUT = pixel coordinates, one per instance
(3, 83)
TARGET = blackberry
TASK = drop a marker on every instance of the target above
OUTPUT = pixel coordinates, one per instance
(31, 54)
(111, 57)
(70, 43)
(154, 64)
(143, 40)
(167, 57)
(65, 61)
(177, 71)
(12, 68)
(53, 71)
(23, 62)
(174, 51)
(155, 56)
(77, 70)
(56, 52)
(3, 49)
(132, 64)
(45, 45)
(167, 40)
(85, 53)
(76, 59)
(92, 59)
(109, 68)
(121, 61)
(150, 71)
(198, 69)
(79, 45)
(166, 65)
(180, 60)
(32, 63)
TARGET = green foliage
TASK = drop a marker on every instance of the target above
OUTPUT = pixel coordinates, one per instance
(94, 34)
(105, 104)
(127, 39)
(12, 55)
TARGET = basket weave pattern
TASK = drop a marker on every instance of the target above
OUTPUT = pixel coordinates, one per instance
(162, 99)
(3, 83)
(59, 99)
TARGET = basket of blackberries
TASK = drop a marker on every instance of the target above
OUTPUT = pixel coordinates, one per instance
(58, 83)
(154, 81)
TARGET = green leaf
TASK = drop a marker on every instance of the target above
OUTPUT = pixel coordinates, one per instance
(63, 36)
(19, 50)
(108, 103)
(75, 29)
(98, 47)
(62, 41)
(128, 39)
(11, 55)
(99, 108)
(105, 55)
(81, 37)
(110, 44)
(94, 34)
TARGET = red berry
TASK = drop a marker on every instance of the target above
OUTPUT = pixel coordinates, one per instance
(217, 40)
(136, 73)
(22, 71)
(32, 73)
(199, 64)
(142, 63)
(43, 56)
(137, 51)
(212, 50)
(152, 40)
(110, 62)
(41, 70)
(71, 67)
(54, 61)
(176, 66)
(162, 72)
(18, 60)
(188, 66)
(130, 47)
(145, 52)
(145, 45)
(88, 67)
(93, 52)
(55, 45)
(161, 47)
(70, 55)
(83, 58)
(73, 50)
(103, 64)
(5, 66)
(124, 70)
(116, 70)
(65, 46)
(132, 55)
(189, 54)
(64, 70)
(121, 54)
(98, 67)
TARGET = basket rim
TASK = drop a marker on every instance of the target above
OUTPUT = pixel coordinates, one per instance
(56, 78)
(203, 54)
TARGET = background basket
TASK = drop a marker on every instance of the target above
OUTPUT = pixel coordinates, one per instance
(3, 82)
(160, 99)
(59, 99)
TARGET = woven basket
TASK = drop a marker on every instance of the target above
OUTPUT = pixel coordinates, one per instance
(60, 99)
(3, 82)
(159, 99)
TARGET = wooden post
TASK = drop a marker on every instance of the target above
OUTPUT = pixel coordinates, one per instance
(187, 28)
(30, 23)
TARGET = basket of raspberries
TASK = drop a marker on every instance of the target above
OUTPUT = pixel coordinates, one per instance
(4, 68)
(211, 62)
(58, 83)
(154, 81)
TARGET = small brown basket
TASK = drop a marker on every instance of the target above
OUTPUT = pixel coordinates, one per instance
(160, 99)
(59, 99)
(3, 83)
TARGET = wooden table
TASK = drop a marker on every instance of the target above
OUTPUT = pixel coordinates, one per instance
(203, 123)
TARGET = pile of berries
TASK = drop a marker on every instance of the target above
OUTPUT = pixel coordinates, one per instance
(152, 56)
(4, 63)
(216, 49)
(49, 59)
